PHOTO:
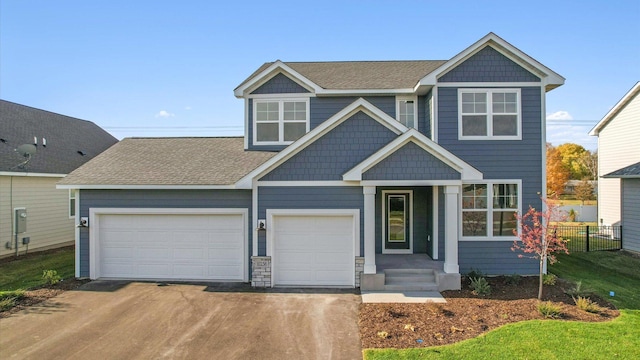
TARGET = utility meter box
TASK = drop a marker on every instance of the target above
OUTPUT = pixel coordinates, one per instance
(21, 220)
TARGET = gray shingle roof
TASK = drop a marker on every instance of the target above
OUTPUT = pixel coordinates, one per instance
(170, 161)
(631, 171)
(346, 75)
(65, 136)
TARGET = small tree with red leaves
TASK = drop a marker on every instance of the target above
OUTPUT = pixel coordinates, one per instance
(538, 236)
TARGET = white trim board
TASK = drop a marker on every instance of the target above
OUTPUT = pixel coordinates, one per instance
(94, 227)
(30, 174)
(146, 187)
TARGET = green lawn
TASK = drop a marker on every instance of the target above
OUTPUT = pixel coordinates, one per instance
(26, 273)
(554, 339)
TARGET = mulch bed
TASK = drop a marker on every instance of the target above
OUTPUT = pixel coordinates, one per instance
(466, 315)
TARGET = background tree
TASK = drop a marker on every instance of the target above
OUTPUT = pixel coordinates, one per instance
(589, 161)
(557, 172)
(571, 158)
(538, 237)
(584, 190)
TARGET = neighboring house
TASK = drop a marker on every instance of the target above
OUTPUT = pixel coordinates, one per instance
(618, 147)
(62, 144)
(570, 186)
(629, 204)
(344, 166)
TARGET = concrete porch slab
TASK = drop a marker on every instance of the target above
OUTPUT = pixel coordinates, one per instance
(382, 297)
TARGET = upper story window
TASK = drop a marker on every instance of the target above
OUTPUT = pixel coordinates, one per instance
(72, 203)
(407, 111)
(279, 122)
(489, 114)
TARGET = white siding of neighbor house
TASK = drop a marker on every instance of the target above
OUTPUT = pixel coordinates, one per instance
(48, 223)
(618, 146)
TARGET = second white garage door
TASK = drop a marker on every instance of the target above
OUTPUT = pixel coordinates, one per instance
(171, 246)
(312, 250)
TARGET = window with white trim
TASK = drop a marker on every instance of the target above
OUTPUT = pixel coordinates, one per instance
(280, 121)
(488, 210)
(492, 114)
(72, 203)
(407, 111)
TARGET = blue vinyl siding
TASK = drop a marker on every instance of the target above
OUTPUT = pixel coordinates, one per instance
(488, 65)
(329, 157)
(499, 159)
(422, 226)
(328, 197)
(322, 108)
(493, 258)
(158, 199)
(424, 115)
(411, 162)
(631, 214)
(280, 84)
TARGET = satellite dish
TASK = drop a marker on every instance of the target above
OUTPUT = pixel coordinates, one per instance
(26, 150)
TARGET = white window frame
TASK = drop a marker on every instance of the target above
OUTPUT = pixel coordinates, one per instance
(400, 99)
(489, 114)
(490, 210)
(280, 100)
(72, 196)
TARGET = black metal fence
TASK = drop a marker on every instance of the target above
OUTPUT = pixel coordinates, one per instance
(584, 238)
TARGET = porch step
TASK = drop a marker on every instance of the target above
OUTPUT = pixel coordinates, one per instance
(410, 280)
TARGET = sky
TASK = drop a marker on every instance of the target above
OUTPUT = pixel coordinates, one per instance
(168, 68)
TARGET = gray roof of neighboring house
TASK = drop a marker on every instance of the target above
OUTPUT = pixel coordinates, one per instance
(65, 138)
(346, 75)
(170, 161)
(631, 171)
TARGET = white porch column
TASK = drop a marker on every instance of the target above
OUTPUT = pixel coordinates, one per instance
(369, 229)
(451, 229)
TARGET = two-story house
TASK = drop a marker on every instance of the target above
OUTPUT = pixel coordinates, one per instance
(347, 172)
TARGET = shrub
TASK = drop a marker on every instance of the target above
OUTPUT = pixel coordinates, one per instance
(50, 277)
(578, 290)
(586, 304)
(475, 274)
(513, 279)
(480, 286)
(549, 310)
(549, 279)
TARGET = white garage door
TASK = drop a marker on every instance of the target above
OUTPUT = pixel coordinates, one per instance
(171, 246)
(313, 250)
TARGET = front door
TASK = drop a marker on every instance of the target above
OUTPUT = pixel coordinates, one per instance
(397, 220)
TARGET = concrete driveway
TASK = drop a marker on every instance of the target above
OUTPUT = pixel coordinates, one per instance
(110, 320)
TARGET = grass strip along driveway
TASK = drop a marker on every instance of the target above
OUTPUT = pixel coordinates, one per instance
(25, 273)
(600, 272)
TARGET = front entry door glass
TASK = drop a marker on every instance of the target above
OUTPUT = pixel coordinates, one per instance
(397, 224)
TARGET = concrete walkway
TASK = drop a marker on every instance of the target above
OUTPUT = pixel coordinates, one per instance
(111, 320)
(402, 297)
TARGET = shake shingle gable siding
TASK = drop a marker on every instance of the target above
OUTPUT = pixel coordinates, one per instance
(329, 157)
(488, 65)
(280, 84)
(411, 162)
